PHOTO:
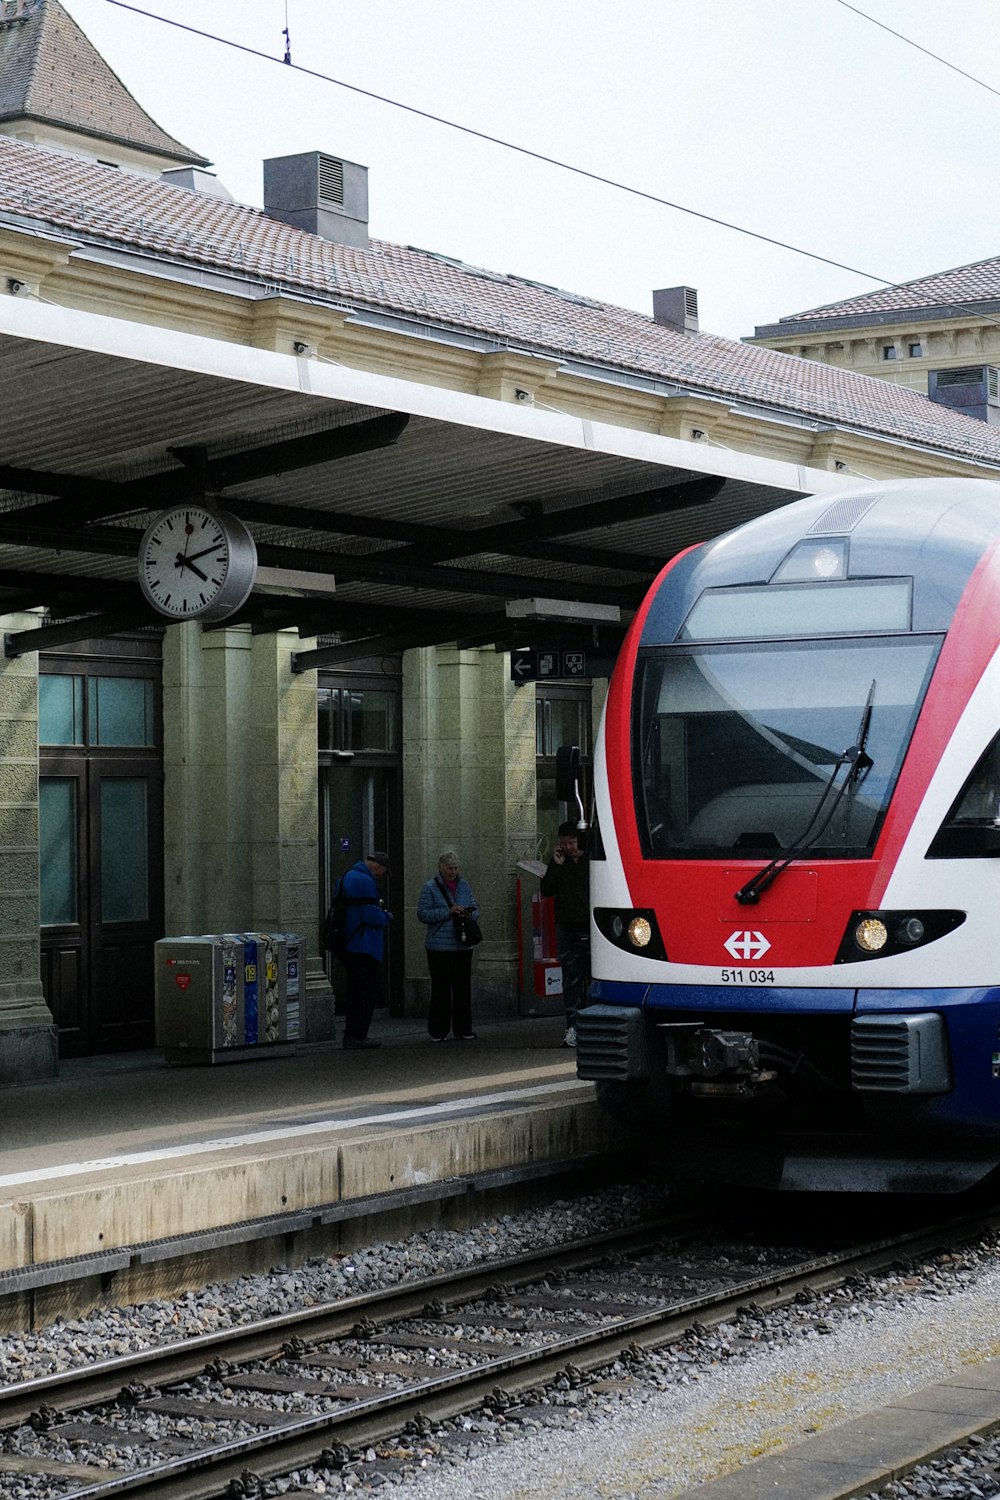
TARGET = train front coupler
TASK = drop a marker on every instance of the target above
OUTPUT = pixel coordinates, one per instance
(706, 1061)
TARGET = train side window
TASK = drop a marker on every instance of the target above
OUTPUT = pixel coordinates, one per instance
(972, 828)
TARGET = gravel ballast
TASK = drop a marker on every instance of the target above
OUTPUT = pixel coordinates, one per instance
(649, 1426)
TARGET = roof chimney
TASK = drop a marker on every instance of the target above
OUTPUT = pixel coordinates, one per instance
(974, 390)
(321, 194)
(197, 181)
(676, 307)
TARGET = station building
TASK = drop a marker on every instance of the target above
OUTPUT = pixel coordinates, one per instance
(459, 483)
(938, 334)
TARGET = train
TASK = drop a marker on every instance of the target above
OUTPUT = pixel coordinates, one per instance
(795, 850)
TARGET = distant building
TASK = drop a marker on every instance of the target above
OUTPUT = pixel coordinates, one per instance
(938, 334)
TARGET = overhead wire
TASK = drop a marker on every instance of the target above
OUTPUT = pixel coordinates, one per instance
(936, 56)
(495, 140)
(554, 161)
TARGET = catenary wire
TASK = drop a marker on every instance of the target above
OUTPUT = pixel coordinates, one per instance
(935, 56)
(890, 282)
(494, 140)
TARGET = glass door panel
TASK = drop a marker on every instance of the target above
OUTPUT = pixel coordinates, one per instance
(124, 850)
(127, 902)
(57, 845)
(65, 945)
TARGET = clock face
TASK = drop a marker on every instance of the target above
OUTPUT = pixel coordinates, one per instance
(196, 563)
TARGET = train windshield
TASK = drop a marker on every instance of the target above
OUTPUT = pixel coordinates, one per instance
(741, 749)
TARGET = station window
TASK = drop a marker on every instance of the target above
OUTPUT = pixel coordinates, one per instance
(356, 718)
(60, 709)
(888, 351)
(113, 711)
(916, 351)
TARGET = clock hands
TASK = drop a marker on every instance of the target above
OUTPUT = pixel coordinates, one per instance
(194, 555)
(183, 561)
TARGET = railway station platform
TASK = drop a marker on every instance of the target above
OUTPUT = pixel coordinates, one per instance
(127, 1178)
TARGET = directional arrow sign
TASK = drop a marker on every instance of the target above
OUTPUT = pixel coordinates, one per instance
(528, 664)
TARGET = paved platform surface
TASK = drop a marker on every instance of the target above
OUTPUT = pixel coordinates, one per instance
(125, 1150)
(864, 1455)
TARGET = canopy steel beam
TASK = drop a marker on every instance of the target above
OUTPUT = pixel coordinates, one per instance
(83, 500)
(445, 541)
(88, 627)
(538, 526)
(390, 643)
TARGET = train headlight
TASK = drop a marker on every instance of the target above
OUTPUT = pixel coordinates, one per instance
(810, 560)
(640, 932)
(880, 934)
(910, 931)
(632, 929)
(871, 934)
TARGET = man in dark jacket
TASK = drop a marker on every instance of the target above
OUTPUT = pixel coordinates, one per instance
(364, 945)
(567, 881)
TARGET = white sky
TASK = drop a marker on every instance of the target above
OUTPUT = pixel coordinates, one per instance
(795, 118)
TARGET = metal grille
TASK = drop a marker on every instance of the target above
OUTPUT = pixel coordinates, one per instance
(843, 515)
(610, 1043)
(900, 1054)
(331, 180)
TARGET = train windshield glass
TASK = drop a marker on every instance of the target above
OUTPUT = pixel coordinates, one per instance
(738, 745)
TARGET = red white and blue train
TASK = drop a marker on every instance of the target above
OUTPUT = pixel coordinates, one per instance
(795, 865)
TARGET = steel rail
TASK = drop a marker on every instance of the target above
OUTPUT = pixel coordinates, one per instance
(277, 1450)
(168, 1363)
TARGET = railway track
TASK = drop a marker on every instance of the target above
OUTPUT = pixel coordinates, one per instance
(218, 1415)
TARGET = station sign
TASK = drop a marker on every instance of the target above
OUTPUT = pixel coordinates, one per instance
(528, 664)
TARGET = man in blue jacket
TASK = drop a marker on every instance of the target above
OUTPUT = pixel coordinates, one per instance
(364, 947)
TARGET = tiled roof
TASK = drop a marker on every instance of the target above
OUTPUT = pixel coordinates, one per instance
(964, 285)
(50, 72)
(99, 206)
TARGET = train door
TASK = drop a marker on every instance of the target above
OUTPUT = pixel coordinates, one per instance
(360, 800)
(100, 847)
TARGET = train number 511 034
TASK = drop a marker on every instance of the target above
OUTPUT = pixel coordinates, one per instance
(748, 976)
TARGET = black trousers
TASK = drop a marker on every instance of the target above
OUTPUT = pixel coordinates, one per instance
(573, 939)
(361, 970)
(451, 993)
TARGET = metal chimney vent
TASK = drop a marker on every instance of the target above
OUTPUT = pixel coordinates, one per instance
(321, 194)
(972, 389)
(676, 307)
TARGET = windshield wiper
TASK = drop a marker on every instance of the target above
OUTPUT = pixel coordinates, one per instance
(859, 763)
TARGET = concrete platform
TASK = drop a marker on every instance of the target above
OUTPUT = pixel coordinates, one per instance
(857, 1457)
(120, 1158)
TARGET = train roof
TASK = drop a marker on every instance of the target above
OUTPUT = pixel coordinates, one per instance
(934, 531)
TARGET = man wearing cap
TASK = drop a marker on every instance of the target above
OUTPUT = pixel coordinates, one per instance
(364, 946)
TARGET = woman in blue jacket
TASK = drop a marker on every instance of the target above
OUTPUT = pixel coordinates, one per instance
(444, 897)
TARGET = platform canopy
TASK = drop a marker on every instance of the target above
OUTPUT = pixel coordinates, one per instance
(387, 514)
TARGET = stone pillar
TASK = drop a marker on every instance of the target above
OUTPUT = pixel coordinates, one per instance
(28, 1039)
(285, 894)
(241, 815)
(208, 730)
(468, 783)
